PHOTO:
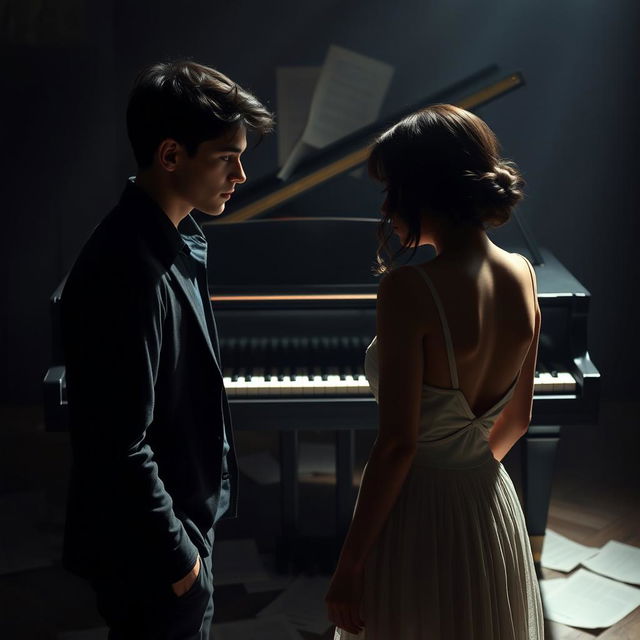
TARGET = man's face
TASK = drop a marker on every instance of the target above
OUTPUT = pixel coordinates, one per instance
(207, 180)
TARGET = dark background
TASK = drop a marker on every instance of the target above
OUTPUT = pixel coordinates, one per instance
(67, 68)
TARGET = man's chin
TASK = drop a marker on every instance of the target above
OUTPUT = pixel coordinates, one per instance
(214, 211)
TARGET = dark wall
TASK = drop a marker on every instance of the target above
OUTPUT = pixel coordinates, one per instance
(572, 130)
(59, 168)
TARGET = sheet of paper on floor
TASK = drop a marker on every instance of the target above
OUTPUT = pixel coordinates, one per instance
(618, 561)
(237, 561)
(302, 602)
(316, 457)
(261, 467)
(588, 600)
(562, 554)
(547, 587)
(100, 633)
(275, 627)
(276, 581)
(23, 543)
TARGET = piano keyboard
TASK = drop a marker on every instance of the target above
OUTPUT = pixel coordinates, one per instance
(297, 385)
(545, 383)
(326, 366)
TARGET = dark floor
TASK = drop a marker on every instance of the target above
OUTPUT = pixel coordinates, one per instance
(40, 603)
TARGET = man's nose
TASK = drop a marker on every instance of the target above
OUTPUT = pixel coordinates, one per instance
(239, 174)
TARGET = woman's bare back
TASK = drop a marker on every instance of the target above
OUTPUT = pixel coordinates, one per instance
(490, 307)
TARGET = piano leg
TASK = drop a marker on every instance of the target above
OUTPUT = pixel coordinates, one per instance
(344, 482)
(304, 551)
(538, 456)
(289, 485)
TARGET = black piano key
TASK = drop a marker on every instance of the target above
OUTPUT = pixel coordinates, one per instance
(304, 352)
(324, 357)
(228, 354)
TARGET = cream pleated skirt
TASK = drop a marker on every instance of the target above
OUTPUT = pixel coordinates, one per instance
(453, 562)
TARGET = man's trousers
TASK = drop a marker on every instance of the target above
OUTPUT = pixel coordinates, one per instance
(134, 612)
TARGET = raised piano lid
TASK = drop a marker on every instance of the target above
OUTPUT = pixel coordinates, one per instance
(262, 197)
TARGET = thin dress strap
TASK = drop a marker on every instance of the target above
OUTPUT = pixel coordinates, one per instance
(445, 327)
(531, 274)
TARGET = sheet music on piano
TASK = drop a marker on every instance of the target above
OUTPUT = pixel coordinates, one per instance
(294, 93)
(347, 97)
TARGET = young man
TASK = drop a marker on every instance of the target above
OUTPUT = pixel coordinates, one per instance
(154, 466)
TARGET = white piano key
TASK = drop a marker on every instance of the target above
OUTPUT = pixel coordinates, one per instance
(567, 382)
(270, 386)
(353, 385)
(547, 383)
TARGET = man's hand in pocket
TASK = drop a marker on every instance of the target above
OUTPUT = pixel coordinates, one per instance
(183, 585)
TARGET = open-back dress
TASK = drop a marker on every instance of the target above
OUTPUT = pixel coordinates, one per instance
(453, 560)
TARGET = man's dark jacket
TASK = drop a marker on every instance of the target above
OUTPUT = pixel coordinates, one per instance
(147, 405)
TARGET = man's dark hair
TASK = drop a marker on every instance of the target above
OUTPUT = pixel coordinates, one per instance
(190, 103)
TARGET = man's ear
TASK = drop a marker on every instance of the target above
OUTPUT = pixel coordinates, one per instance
(167, 154)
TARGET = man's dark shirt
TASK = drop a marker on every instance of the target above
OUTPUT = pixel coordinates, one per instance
(154, 461)
(192, 264)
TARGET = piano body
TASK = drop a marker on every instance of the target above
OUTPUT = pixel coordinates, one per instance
(296, 311)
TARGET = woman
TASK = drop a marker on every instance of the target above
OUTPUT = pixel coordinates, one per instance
(438, 546)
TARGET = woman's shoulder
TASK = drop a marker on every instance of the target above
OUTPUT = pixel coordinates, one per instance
(403, 292)
(404, 278)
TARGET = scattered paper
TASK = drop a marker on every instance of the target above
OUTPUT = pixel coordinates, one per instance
(618, 561)
(276, 581)
(101, 633)
(302, 603)
(561, 554)
(26, 505)
(261, 467)
(587, 600)
(313, 458)
(316, 458)
(237, 561)
(23, 543)
(347, 96)
(295, 87)
(275, 627)
(547, 587)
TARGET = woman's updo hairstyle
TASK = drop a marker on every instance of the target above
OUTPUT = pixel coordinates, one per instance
(444, 160)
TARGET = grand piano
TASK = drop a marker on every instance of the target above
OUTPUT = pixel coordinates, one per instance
(294, 298)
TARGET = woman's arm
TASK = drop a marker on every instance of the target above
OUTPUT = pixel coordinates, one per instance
(514, 419)
(400, 377)
(503, 436)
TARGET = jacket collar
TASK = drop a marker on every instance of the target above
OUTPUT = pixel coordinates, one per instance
(166, 241)
(159, 231)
